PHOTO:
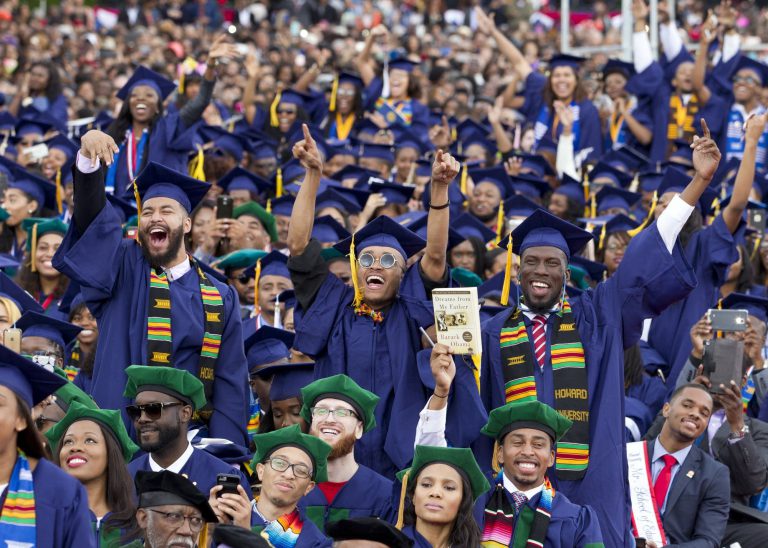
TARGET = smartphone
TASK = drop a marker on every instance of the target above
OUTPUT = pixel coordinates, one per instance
(224, 207)
(728, 320)
(723, 363)
(12, 339)
(37, 153)
(757, 218)
(229, 482)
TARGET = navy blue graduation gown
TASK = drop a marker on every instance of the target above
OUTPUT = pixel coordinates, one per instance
(170, 143)
(640, 414)
(62, 517)
(310, 536)
(711, 251)
(379, 357)
(116, 288)
(420, 113)
(418, 540)
(570, 525)
(644, 86)
(609, 319)
(652, 392)
(201, 469)
(366, 494)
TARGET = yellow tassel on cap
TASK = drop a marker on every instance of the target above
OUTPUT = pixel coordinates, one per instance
(755, 249)
(334, 93)
(353, 267)
(602, 236)
(202, 540)
(256, 278)
(197, 170)
(476, 361)
(273, 121)
(463, 180)
(279, 183)
(59, 193)
(500, 223)
(635, 231)
(401, 505)
(593, 207)
(269, 205)
(33, 263)
(507, 275)
(182, 77)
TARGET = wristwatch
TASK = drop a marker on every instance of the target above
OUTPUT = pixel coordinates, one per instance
(740, 434)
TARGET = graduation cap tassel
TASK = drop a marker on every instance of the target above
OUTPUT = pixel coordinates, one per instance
(585, 186)
(273, 121)
(635, 231)
(507, 275)
(137, 198)
(182, 78)
(59, 193)
(353, 267)
(32, 262)
(602, 236)
(279, 183)
(593, 207)
(197, 170)
(755, 249)
(269, 205)
(256, 278)
(463, 180)
(334, 93)
(203, 538)
(500, 223)
(476, 361)
(401, 505)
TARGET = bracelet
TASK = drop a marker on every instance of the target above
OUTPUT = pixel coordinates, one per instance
(446, 204)
(439, 396)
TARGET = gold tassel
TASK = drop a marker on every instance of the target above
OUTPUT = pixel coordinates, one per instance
(279, 183)
(716, 206)
(401, 506)
(495, 461)
(500, 223)
(197, 171)
(585, 186)
(269, 205)
(602, 236)
(593, 207)
(137, 198)
(202, 540)
(507, 275)
(755, 249)
(256, 278)
(334, 93)
(182, 78)
(59, 193)
(476, 371)
(635, 231)
(463, 180)
(33, 263)
(273, 121)
(353, 267)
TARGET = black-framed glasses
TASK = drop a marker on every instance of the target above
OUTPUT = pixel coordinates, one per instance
(367, 260)
(281, 110)
(244, 278)
(340, 413)
(41, 420)
(177, 520)
(151, 410)
(281, 465)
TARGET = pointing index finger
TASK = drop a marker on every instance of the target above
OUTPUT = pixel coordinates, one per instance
(307, 135)
(705, 128)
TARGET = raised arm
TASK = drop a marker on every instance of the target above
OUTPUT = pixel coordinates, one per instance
(365, 64)
(507, 48)
(303, 214)
(702, 56)
(96, 148)
(444, 169)
(253, 70)
(706, 157)
(732, 213)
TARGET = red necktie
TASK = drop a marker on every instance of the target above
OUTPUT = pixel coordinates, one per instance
(661, 486)
(539, 338)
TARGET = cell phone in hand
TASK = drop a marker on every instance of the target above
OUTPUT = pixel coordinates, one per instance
(12, 339)
(728, 320)
(36, 153)
(723, 363)
(757, 219)
(229, 483)
(224, 207)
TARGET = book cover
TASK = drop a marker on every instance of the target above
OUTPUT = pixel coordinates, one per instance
(457, 319)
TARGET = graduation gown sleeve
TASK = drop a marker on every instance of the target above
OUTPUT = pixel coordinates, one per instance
(590, 138)
(62, 517)
(533, 95)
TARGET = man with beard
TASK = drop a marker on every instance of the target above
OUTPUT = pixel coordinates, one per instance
(691, 489)
(170, 512)
(564, 352)
(339, 412)
(164, 400)
(371, 331)
(155, 304)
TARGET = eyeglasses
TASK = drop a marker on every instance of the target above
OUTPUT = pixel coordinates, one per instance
(286, 111)
(281, 465)
(244, 278)
(341, 413)
(41, 420)
(745, 80)
(177, 520)
(345, 92)
(367, 260)
(151, 410)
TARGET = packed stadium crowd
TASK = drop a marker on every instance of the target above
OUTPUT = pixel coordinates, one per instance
(346, 273)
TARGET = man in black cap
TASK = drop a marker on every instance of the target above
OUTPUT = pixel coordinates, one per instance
(366, 533)
(171, 511)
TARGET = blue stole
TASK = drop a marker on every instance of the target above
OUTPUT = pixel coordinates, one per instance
(734, 142)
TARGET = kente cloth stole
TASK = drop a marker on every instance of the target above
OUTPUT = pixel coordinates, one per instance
(570, 379)
(365, 310)
(284, 531)
(17, 522)
(500, 529)
(681, 118)
(159, 333)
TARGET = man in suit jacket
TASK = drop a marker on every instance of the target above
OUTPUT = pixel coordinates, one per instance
(691, 488)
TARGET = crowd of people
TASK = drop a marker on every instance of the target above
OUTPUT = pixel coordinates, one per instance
(222, 224)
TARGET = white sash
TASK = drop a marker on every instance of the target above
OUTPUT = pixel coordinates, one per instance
(646, 520)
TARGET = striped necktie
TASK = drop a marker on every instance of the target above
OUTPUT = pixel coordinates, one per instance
(539, 338)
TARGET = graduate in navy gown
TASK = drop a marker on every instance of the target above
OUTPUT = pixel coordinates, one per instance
(574, 370)
(339, 412)
(57, 514)
(369, 332)
(117, 289)
(162, 433)
(711, 250)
